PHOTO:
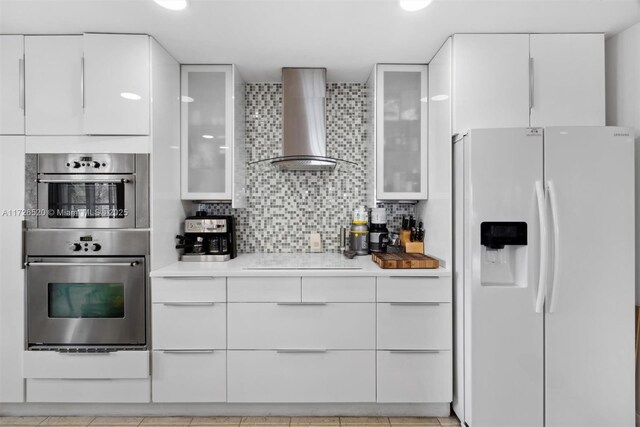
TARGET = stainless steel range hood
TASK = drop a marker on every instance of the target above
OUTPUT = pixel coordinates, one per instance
(304, 133)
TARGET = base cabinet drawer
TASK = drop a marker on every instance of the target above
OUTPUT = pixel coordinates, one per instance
(414, 376)
(331, 376)
(172, 289)
(348, 326)
(417, 289)
(189, 376)
(88, 391)
(414, 326)
(112, 365)
(264, 289)
(189, 325)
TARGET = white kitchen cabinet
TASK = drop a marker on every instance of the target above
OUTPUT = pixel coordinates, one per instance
(88, 390)
(414, 289)
(264, 289)
(414, 326)
(109, 365)
(189, 339)
(121, 376)
(567, 78)
(414, 376)
(189, 325)
(116, 81)
(338, 289)
(12, 85)
(521, 80)
(12, 277)
(414, 339)
(212, 134)
(53, 72)
(336, 326)
(189, 289)
(189, 376)
(490, 81)
(301, 376)
(400, 131)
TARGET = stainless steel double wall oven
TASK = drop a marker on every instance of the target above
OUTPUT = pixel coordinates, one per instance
(87, 259)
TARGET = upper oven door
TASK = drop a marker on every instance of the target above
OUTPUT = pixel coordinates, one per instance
(86, 201)
(86, 301)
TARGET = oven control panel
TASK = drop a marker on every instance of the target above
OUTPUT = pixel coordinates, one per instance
(85, 244)
(86, 162)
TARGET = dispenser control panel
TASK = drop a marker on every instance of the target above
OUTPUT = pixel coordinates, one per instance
(495, 235)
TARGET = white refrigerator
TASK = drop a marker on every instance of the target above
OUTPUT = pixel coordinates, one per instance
(544, 277)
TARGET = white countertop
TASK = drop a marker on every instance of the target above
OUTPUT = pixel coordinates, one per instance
(291, 264)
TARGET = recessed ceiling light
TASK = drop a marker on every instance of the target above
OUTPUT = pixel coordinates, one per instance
(172, 4)
(185, 98)
(414, 5)
(440, 97)
(207, 136)
(131, 96)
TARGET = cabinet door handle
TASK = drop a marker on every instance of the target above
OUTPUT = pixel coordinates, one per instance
(300, 350)
(414, 351)
(21, 83)
(82, 81)
(415, 303)
(188, 304)
(301, 303)
(531, 83)
(188, 351)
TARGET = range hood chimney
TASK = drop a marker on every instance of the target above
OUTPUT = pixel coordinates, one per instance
(304, 133)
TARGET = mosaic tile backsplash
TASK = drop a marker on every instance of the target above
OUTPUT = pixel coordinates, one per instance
(283, 208)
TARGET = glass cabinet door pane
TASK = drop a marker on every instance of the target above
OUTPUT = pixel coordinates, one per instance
(207, 149)
(402, 128)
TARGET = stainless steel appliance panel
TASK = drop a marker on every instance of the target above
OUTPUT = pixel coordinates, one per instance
(86, 301)
(86, 163)
(87, 201)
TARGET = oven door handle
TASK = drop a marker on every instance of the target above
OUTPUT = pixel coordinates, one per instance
(84, 181)
(82, 264)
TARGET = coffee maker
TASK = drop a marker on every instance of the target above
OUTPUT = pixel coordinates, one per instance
(208, 238)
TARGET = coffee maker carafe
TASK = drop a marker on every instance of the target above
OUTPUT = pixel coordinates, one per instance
(208, 238)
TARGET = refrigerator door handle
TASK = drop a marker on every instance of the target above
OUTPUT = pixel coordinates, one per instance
(553, 298)
(544, 246)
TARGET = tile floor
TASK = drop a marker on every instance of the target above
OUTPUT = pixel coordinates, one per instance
(232, 421)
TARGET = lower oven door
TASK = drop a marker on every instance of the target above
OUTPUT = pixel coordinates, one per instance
(86, 201)
(86, 301)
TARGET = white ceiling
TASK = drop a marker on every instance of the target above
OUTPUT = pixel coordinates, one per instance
(346, 36)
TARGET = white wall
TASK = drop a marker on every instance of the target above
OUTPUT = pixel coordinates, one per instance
(623, 109)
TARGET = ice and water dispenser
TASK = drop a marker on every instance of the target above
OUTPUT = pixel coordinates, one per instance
(504, 254)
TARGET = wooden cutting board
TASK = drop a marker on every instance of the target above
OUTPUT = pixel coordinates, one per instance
(404, 260)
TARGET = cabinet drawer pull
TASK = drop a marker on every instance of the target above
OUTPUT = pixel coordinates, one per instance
(82, 82)
(21, 83)
(299, 351)
(187, 277)
(188, 304)
(415, 303)
(187, 351)
(302, 303)
(414, 351)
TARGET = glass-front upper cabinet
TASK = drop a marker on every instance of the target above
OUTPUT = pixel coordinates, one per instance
(212, 114)
(401, 120)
